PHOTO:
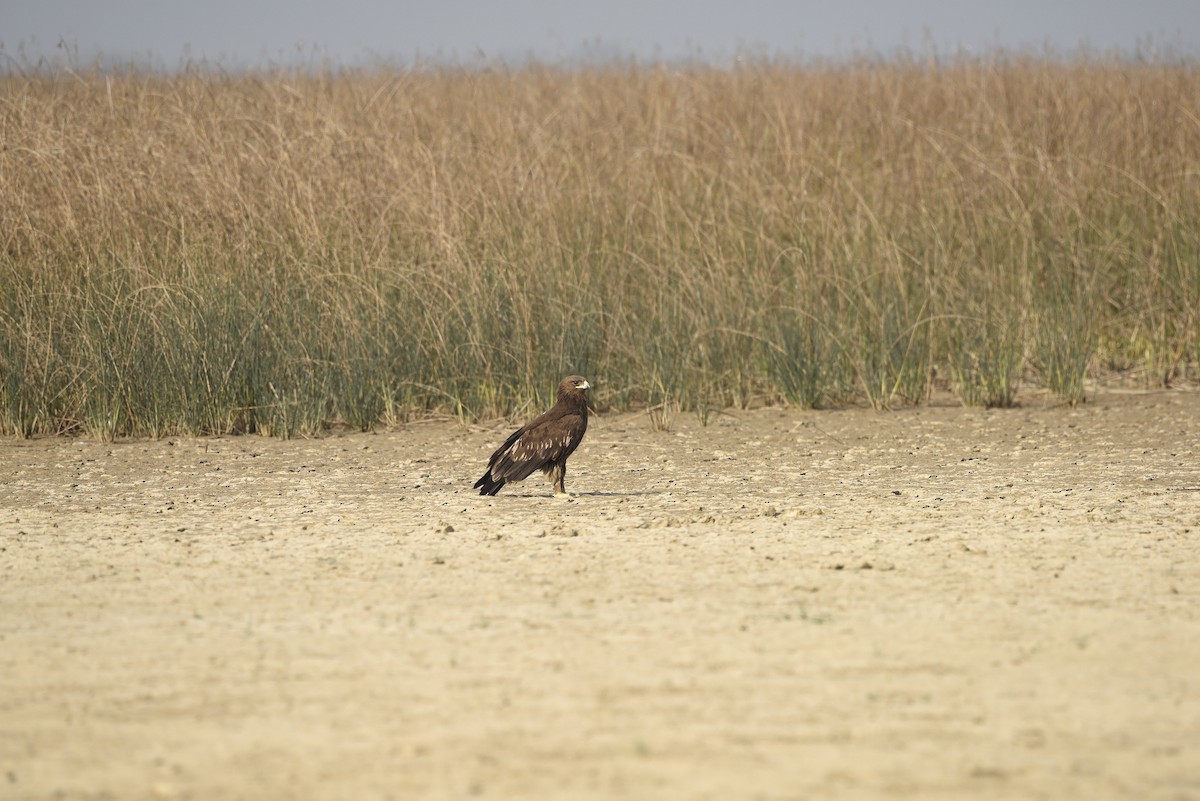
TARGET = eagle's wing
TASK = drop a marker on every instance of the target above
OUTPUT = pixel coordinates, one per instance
(547, 439)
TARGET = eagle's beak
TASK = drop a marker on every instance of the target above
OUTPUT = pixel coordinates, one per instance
(585, 385)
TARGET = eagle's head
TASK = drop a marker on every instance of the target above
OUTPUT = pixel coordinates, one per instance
(573, 386)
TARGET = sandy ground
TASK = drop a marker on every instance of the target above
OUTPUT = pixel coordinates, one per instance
(927, 603)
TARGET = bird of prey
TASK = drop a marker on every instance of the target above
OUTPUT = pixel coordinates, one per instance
(544, 443)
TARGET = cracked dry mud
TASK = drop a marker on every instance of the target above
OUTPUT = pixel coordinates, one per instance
(931, 602)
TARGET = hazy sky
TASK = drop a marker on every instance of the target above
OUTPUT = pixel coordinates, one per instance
(239, 32)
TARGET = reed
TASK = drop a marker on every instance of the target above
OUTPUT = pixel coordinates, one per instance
(200, 252)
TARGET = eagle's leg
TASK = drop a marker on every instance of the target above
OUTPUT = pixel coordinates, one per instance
(558, 474)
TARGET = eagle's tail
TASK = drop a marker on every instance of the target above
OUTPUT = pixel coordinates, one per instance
(488, 485)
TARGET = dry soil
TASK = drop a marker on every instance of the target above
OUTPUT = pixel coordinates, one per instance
(934, 602)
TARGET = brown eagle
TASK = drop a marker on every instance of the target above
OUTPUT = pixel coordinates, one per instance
(544, 443)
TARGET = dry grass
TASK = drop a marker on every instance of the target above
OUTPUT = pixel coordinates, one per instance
(200, 252)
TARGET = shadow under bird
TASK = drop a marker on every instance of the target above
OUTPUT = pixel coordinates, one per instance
(543, 443)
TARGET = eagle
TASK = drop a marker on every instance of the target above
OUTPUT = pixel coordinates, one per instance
(544, 443)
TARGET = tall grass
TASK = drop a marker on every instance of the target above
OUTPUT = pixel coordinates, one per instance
(207, 253)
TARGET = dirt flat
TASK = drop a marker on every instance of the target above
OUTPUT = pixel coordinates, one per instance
(934, 602)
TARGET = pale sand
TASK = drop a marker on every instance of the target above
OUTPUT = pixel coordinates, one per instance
(930, 602)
